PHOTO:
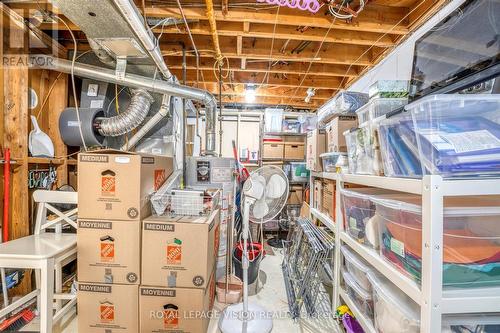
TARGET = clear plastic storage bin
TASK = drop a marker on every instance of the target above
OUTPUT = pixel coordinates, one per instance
(378, 107)
(448, 135)
(330, 160)
(393, 310)
(362, 298)
(298, 172)
(471, 239)
(357, 267)
(359, 211)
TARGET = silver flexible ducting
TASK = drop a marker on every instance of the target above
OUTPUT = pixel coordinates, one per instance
(162, 113)
(128, 120)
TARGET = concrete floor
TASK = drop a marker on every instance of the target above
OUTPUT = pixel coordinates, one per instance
(271, 296)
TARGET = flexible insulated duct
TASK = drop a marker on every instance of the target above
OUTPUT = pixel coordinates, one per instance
(128, 120)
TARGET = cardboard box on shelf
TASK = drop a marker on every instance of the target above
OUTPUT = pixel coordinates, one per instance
(108, 308)
(176, 309)
(295, 151)
(318, 194)
(295, 197)
(273, 150)
(115, 185)
(179, 251)
(316, 145)
(328, 201)
(109, 251)
(336, 128)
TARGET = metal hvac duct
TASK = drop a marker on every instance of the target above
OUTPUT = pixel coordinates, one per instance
(135, 20)
(137, 81)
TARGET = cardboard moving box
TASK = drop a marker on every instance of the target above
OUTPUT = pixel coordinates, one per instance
(273, 150)
(295, 196)
(109, 251)
(115, 185)
(176, 309)
(108, 308)
(316, 145)
(328, 201)
(295, 151)
(335, 132)
(179, 251)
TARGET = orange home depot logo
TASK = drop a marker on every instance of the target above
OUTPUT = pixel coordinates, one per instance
(107, 249)
(107, 312)
(170, 316)
(174, 252)
(160, 177)
(108, 183)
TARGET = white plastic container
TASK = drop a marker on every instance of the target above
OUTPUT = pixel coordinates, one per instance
(362, 298)
(330, 160)
(273, 120)
(449, 135)
(393, 310)
(471, 239)
(378, 107)
(357, 268)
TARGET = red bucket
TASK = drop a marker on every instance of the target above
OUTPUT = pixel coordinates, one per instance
(253, 250)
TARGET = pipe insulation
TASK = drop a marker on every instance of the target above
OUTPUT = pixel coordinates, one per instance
(128, 120)
(137, 81)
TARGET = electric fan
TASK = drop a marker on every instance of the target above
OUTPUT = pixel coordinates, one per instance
(264, 195)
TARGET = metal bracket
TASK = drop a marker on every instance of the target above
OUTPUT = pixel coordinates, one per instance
(121, 67)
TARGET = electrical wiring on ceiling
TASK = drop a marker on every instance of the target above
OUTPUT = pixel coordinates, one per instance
(344, 12)
(312, 60)
(266, 75)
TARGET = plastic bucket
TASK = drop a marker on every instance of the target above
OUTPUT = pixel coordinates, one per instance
(253, 250)
(253, 267)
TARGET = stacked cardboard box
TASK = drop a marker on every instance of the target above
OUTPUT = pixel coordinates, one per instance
(316, 145)
(112, 200)
(178, 273)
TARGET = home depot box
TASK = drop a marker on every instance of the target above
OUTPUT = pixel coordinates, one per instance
(334, 132)
(328, 201)
(115, 185)
(109, 251)
(176, 309)
(107, 308)
(316, 145)
(179, 251)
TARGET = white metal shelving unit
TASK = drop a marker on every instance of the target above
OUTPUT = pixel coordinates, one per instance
(433, 301)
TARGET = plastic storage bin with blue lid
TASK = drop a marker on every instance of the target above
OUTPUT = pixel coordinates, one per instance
(447, 135)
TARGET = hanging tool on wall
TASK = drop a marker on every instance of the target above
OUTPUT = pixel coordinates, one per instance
(42, 178)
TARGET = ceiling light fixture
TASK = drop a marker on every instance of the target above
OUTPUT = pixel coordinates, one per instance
(310, 94)
(250, 92)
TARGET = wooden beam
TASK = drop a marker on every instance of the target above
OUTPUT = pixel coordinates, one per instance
(264, 30)
(237, 89)
(373, 19)
(273, 80)
(274, 101)
(425, 10)
(260, 49)
(317, 69)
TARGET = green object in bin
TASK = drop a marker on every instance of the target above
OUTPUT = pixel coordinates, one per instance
(301, 171)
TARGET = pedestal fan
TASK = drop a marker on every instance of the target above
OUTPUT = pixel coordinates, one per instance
(264, 195)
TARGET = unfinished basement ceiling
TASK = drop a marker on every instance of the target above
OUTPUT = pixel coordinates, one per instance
(280, 50)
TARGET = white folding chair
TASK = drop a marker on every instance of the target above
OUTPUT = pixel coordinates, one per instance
(47, 253)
